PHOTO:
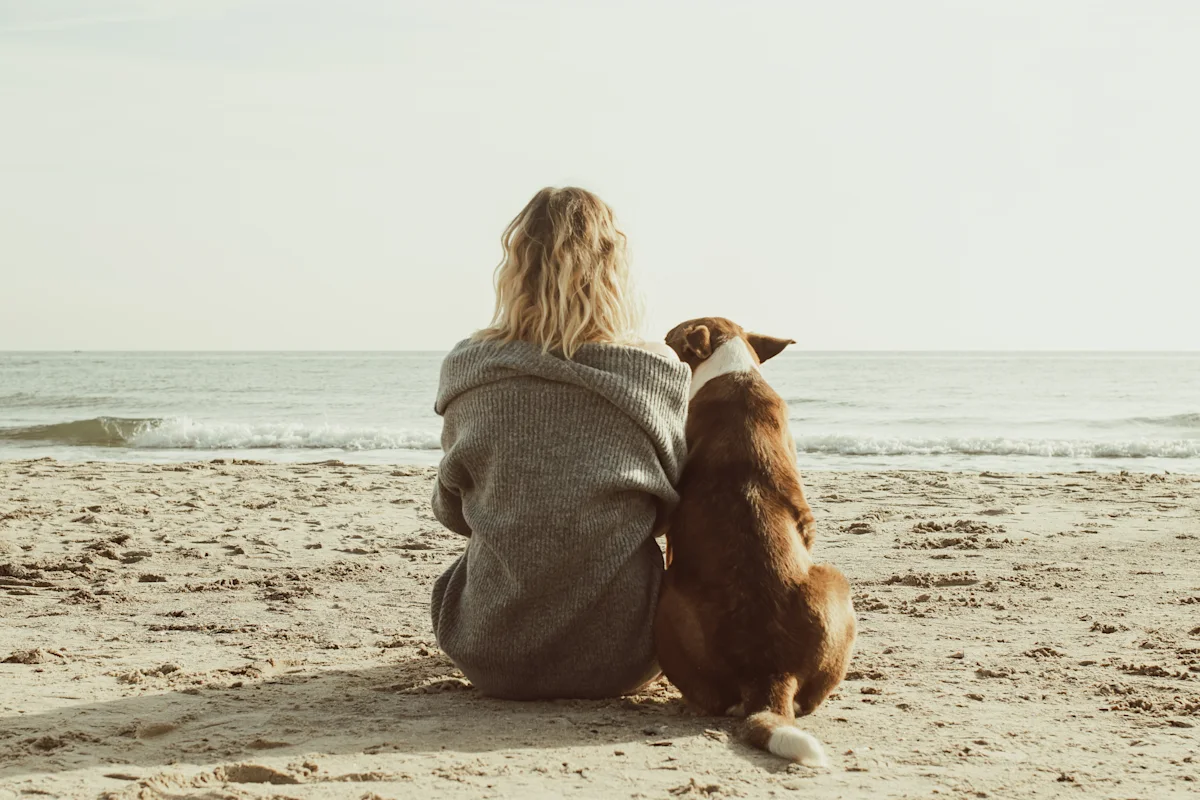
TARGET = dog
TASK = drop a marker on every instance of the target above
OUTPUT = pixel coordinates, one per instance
(746, 622)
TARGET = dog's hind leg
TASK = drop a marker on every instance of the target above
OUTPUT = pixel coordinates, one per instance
(816, 689)
(828, 590)
(679, 642)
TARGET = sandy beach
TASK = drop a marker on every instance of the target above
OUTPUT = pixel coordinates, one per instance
(237, 630)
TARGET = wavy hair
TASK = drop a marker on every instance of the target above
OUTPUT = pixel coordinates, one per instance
(564, 280)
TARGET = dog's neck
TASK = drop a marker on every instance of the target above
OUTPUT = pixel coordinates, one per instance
(732, 356)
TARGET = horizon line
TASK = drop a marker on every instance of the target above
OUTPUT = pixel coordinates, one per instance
(792, 351)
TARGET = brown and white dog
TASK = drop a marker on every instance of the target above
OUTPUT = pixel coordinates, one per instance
(745, 618)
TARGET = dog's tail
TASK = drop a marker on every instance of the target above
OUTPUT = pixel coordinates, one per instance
(777, 734)
(771, 725)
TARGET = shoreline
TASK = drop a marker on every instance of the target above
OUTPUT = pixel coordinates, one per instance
(429, 458)
(232, 627)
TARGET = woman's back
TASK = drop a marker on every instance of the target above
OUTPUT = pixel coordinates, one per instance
(557, 469)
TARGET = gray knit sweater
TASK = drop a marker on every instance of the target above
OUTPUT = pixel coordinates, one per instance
(557, 470)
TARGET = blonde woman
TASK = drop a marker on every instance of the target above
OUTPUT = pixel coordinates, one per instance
(563, 438)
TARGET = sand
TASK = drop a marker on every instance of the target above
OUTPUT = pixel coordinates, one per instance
(231, 630)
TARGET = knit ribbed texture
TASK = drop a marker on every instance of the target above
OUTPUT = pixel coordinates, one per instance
(557, 471)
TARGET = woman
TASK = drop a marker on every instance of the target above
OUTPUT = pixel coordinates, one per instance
(563, 439)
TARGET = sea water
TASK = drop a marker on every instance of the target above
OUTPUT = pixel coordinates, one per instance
(961, 411)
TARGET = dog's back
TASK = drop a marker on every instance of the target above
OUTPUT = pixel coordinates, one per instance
(742, 595)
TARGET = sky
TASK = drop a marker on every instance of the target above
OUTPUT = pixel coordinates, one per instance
(308, 175)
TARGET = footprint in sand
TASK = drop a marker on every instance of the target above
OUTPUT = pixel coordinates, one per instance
(255, 773)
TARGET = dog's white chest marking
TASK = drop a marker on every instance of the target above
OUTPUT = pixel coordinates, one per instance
(732, 356)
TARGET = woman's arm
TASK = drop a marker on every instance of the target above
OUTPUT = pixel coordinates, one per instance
(452, 477)
(447, 507)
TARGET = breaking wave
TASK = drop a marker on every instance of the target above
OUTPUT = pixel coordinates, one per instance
(98, 432)
(181, 433)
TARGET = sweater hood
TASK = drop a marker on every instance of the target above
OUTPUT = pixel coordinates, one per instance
(650, 389)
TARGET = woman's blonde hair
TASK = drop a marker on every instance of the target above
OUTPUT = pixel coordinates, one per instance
(564, 281)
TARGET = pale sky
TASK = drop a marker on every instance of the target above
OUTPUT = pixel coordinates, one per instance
(306, 174)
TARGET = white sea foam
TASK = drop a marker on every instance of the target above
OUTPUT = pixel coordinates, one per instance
(184, 433)
(846, 445)
(849, 411)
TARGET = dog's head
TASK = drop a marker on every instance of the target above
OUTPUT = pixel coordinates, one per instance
(697, 339)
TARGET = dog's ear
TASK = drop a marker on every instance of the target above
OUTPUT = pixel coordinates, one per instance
(767, 346)
(699, 341)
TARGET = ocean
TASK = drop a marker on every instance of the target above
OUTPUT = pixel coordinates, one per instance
(957, 411)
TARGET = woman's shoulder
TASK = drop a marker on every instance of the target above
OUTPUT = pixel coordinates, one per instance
(633, 350)
(464, 344)
(624, 367)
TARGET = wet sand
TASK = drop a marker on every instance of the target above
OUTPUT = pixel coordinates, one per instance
(238, 630)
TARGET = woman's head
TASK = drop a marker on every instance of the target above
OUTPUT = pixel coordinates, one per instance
(564, 280)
